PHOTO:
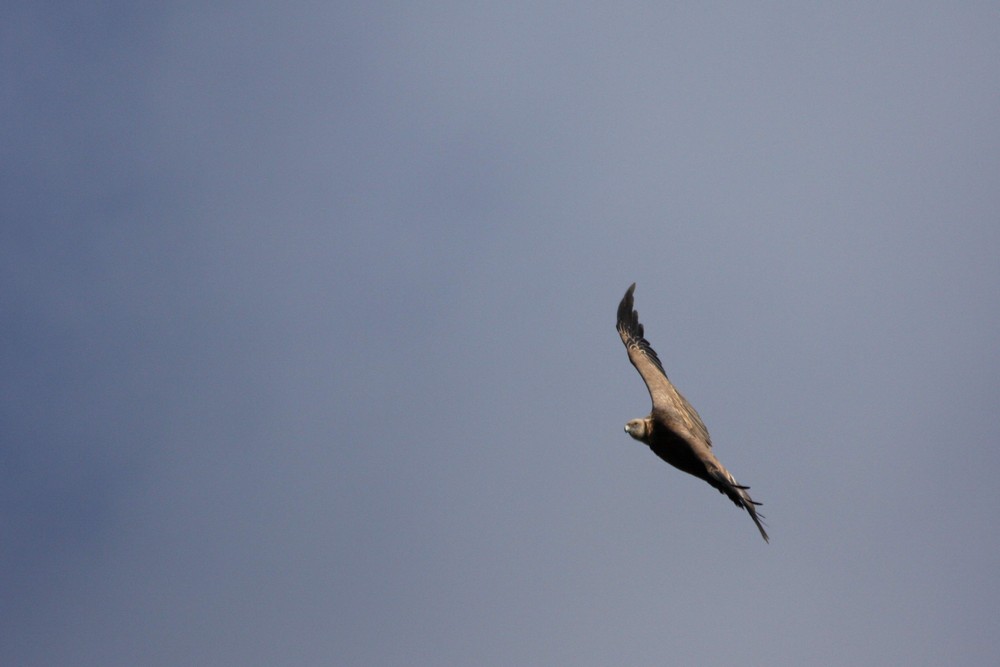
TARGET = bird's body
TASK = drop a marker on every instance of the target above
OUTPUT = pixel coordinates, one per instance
(673, 429)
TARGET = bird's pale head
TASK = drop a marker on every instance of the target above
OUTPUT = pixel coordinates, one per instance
(638, 429)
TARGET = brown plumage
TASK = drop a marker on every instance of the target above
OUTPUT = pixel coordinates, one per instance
(673, 429)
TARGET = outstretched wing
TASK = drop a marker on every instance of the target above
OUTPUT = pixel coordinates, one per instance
(669, 406)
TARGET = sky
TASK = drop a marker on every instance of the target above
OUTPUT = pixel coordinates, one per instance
(307, 345)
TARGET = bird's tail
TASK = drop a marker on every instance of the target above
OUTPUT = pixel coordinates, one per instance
(725, 483)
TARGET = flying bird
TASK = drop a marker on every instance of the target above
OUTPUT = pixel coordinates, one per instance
(673, 430)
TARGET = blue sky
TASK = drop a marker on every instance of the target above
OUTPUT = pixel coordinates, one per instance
(309, 355)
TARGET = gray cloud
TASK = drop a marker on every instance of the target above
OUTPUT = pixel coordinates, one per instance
(309, 350)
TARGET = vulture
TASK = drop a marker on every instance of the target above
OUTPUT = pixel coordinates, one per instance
(673, 430)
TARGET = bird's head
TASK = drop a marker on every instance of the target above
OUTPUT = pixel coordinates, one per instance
(638, 429)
